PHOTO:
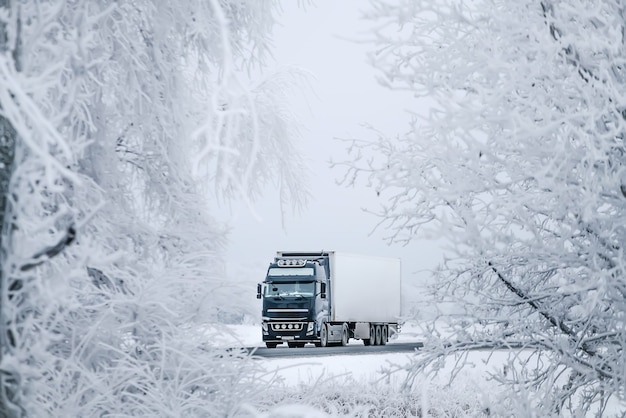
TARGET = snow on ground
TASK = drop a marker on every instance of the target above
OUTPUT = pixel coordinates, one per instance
(471, 388)
(471, 385)
(365, 368)
(370, 369)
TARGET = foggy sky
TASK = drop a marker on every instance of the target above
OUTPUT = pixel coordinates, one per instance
(345, 95)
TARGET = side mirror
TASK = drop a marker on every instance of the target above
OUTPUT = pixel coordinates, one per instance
(258, 291)
(323, 290)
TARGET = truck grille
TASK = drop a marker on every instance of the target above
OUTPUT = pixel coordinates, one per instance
(288, 314)
(287, 327)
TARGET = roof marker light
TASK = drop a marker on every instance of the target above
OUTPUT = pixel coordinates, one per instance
(291, 263)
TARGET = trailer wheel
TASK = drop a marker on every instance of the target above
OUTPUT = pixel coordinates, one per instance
(271, 345)
(378, 335)
(344, 335)
(324, 336)
(383, 335)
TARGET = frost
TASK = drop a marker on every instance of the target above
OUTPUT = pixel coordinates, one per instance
(516, 157)
(109, 246)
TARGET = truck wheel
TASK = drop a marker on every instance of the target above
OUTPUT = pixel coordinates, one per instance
(378, 335)
(344, 335)
(323, 336)
(383, 335)
(271, 345)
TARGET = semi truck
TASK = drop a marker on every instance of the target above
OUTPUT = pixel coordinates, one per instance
(328, 297)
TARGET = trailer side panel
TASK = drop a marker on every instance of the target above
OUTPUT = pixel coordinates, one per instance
(365, 288)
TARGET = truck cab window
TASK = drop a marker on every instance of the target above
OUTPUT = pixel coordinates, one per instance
(290, 289)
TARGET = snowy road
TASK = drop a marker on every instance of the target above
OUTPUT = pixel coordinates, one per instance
(351, 349)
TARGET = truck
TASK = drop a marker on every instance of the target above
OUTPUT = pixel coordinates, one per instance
(328, 297)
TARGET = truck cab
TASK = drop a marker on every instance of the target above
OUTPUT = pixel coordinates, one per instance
(294, 301)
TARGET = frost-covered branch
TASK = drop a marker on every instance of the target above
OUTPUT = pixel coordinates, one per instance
(110, 254)
(519, 166)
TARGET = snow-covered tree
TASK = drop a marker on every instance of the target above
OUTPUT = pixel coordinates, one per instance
(520, 165)
(120, 123)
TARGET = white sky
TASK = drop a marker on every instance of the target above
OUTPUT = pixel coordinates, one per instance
(346, 96)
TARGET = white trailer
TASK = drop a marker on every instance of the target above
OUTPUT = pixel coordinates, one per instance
(365, 288)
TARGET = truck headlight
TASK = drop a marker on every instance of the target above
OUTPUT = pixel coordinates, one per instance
(264, 326)
(309, 328)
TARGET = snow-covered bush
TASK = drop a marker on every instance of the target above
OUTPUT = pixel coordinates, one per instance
(347, 397)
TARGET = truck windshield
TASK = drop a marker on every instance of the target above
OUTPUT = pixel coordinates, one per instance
(290, 289)
(289, 271)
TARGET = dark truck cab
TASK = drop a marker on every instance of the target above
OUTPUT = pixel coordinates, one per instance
(294, 301)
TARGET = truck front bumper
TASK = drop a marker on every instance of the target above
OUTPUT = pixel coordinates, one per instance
(285, 331)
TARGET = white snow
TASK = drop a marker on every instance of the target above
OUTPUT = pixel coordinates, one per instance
(471, 387)
(296, 371)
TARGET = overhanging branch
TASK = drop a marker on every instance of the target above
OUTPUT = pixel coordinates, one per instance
(532, 303)
(49, 252)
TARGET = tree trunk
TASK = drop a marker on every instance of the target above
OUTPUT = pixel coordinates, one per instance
(8, 140)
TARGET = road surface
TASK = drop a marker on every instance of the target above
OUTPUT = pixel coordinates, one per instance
(350, 349)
